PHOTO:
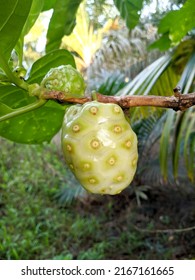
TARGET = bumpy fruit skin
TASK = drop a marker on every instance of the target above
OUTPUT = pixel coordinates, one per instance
(65, 78)
(100, 147)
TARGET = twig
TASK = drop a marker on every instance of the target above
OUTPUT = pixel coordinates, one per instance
(177, 102)
(174, 230)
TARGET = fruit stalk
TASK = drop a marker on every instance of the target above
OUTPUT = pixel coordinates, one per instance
(177, 102)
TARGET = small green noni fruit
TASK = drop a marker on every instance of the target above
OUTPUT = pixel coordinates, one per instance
(100, 147)
(66, 79)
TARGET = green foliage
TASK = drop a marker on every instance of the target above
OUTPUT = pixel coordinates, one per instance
(48, 5)
(53, 59)
(17, 106)
(12, 12)
(33, 127)
(129, 11)
(111, 83)
(159, 78)
(62, 22)
(35, 10)
(42, 123)
(168, 27)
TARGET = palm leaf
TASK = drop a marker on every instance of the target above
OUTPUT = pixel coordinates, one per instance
(165, 142)
(186, 122)
(160, 78)
(189, 145)
(147, 78)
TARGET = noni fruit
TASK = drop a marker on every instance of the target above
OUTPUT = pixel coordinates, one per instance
(66, 79)
(100, 147)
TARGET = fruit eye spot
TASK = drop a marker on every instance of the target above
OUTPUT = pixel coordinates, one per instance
(93, 110)
(76, 128)
(112, 161)
(86, 165)
(92, 181)
(95, 144)
(69, 148)
(116, 109)
(128, 144)
(117, 129)
(119, 178)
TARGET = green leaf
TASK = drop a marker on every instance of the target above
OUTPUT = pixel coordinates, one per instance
(48, 5)
(189, 143)
(35, 10)
(62, 22)
(4, 109)
(32, 17)
(13, 15)
(186, 123)
(41, 124)
(34, 127)
(165, 143)
(163, 43)
(129, 11)
(45, 63)
(147, 78)
(176, 25)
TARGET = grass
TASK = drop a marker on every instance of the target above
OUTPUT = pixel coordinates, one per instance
(35, 224)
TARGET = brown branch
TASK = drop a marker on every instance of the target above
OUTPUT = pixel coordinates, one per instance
(177, 102)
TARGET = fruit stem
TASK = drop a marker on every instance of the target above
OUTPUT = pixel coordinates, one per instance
(23, 110)
(94, 96)
(12, 78)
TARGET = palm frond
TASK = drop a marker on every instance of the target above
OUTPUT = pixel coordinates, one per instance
(149, 131)
(107, 83)
(186, 123)
(189, 146)
(147, 78)
(165, 142)
(160, 78)
(70, 192)
(124, 52)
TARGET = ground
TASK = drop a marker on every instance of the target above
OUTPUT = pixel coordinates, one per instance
(44, 214)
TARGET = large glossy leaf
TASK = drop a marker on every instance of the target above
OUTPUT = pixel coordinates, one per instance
(34, 127)
(48, 4)
(45, 63)
(129, 11)
(33, 15)
(4, 109)
(41, 124)
(175, 25)
(62, 22)
(13, 15)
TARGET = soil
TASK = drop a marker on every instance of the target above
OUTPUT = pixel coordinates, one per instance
(165, 221)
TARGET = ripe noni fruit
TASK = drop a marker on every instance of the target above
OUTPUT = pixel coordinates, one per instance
(100, 147)
(66, 79)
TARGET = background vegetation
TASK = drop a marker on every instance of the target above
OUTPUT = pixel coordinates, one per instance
(44, 212)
